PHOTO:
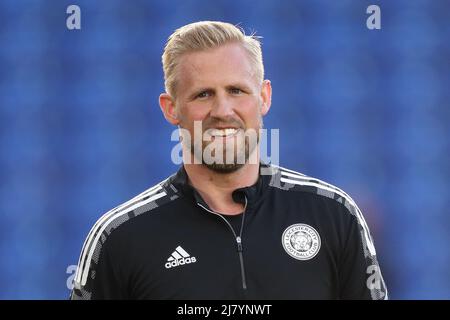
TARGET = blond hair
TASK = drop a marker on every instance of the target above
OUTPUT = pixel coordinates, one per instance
(205, 35)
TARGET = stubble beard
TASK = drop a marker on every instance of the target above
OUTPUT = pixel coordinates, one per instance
(242, 149)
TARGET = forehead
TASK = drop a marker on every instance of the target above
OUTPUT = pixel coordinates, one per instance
(214, 67)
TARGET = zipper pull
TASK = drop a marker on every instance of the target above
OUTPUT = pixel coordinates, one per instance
(239, 244)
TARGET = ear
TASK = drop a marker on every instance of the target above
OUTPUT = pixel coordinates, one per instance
(167, 105)
(266, 96)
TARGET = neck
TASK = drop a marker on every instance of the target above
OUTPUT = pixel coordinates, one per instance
(217, 188)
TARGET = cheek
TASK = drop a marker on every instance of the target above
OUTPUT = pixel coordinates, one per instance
(251, 113)
(196, 111)
(190, 113)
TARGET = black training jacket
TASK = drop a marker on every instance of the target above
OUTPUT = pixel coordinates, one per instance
(298, 238)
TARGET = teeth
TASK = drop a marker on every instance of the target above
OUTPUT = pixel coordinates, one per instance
(222, 132)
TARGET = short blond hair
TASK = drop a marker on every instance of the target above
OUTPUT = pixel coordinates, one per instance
(205, 35)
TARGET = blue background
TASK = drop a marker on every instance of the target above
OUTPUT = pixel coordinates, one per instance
(81, 130)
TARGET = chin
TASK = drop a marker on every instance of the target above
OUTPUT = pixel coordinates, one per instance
(224, 168)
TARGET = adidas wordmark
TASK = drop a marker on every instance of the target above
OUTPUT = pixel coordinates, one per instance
(178, 258)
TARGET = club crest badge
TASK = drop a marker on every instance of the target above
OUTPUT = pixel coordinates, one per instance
(301, 241)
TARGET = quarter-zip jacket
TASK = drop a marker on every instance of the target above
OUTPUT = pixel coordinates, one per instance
(297, 238)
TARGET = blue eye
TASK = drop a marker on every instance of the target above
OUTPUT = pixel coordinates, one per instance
(235, 91)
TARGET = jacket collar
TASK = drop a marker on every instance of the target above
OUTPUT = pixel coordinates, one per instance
(253, 193)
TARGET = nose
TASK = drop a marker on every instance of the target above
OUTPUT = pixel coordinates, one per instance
(222, 107)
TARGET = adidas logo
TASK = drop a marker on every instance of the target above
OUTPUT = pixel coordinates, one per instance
(178, 258)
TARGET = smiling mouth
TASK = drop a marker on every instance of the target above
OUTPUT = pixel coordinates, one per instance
(222, 133)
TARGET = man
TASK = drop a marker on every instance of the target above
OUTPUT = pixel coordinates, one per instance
(227, 229)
